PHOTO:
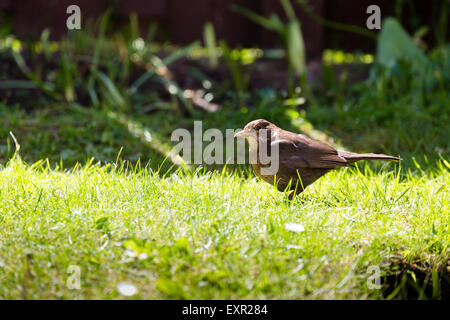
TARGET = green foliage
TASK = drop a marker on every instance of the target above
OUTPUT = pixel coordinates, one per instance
(394, 44)
(161, 63)
(291, 35)
(239, 72)
(107, 81)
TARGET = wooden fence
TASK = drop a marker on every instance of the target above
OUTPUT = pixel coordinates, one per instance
(182, 21)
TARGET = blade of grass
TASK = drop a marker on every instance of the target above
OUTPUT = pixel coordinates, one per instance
(112, 89)
(296, 46)
(335, 25)
(209, 37)
(95, 60)
(69, 89)
(45, 87)
(258, 19)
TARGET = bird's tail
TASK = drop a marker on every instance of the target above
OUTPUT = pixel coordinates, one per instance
(353, 157)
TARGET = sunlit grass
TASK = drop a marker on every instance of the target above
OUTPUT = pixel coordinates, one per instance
(212, 235)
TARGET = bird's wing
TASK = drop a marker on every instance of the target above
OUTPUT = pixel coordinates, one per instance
(299, 151)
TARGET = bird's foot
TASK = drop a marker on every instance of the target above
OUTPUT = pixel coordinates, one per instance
(292, 195)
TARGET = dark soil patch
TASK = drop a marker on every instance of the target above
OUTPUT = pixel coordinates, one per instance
(417, 281)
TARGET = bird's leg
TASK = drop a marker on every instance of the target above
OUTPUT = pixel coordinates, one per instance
(291, 195)
(294, 193)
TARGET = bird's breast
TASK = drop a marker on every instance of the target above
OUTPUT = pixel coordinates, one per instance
(268, 178)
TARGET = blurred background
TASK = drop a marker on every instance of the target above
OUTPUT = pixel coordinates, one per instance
(137, 70)
(182, 22)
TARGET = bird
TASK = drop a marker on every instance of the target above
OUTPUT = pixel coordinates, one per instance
(302, 160)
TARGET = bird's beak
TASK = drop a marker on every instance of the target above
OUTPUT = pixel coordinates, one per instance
(241, 133)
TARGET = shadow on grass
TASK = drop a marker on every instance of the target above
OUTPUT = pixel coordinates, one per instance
(416, 282)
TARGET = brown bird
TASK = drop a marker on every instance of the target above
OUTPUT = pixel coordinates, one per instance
(301, 160)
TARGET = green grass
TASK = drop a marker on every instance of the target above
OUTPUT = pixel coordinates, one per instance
(212, 235)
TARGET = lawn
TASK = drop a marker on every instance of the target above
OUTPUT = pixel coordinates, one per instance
(212, 235)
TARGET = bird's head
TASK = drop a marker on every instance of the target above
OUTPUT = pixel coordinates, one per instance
(252, 129)
(257, 130)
